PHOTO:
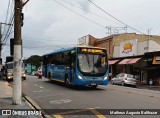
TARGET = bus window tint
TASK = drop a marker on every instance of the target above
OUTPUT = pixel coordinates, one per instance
(10, 66)
(91, 64)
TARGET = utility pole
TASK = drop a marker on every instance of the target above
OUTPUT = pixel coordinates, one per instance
(116, 29)
(149, 30)
(17, 54)
(17, 85)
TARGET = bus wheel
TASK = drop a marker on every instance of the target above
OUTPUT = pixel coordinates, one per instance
(94, 86)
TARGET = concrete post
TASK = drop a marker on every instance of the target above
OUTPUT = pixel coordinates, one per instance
(17, 74)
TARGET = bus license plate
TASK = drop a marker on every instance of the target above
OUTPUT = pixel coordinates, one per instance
(92, 84)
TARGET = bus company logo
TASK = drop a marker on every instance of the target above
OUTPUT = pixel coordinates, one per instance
(127, 47)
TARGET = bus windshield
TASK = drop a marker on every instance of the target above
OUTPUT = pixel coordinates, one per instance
(92, 64)
(10, 66)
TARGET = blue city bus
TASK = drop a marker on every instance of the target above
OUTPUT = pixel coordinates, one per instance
(81, 65)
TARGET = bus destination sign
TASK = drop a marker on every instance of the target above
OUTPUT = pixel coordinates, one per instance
(92, 50)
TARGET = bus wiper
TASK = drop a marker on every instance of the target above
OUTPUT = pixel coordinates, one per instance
(93, 72)
(88, 60)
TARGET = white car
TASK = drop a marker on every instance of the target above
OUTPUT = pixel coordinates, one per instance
(124, 79)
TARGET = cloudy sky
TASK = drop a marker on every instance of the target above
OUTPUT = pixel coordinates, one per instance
(54, 24)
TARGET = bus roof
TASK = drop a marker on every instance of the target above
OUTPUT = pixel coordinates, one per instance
(71, 48)
(60, 50)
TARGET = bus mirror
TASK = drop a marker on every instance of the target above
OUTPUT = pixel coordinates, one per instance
(73, 52)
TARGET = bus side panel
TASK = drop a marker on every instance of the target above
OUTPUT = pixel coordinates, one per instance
(57, 72)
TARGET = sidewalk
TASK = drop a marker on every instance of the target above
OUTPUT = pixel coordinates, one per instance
(6, 103)
(149, 87)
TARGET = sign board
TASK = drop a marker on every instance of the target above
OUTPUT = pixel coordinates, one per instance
(128, 48)
(156, 60)
(84, 40)
(9, 59)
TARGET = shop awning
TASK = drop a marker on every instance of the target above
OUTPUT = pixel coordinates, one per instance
(129, 61)
(124, 61)
(134, 60)
(112, 62)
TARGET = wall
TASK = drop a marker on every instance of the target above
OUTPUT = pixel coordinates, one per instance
(142, 47)
(112, 43)
(145, 43)
(116, 52)
(105, 42)
(153, 46)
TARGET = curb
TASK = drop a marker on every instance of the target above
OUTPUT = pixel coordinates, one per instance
(35, 106)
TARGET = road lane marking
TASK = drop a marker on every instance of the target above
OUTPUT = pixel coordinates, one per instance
(98, 114)
(41, 91)
(61, 101)
(38, 86)
(70, 112)
(57, 116)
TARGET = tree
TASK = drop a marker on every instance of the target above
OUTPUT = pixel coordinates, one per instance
(34, 60)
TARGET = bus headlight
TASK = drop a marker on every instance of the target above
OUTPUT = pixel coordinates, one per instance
(106, 77)
(80, 77)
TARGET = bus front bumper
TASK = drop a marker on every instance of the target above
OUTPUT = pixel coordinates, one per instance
(92, 82)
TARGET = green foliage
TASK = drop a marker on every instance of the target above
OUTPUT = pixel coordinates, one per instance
(34, 60)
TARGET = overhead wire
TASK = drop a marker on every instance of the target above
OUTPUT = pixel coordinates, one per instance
(8, 20)
(115, 17)
(9, 30)
(7, 34)
(69, 3)
(79, 14)
(7, 13)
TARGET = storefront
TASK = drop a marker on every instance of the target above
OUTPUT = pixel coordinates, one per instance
(152, 70)
(128, 65)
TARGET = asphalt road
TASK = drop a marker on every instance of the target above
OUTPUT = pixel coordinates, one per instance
(86, 102)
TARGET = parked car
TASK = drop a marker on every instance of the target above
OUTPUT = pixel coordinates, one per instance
(124, 79)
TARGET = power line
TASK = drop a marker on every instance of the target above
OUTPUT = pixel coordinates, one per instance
(7, 11)
(115, 17)
(83, 9)
(79, 14)
(9, 30)
(8, 14)
(7, 34)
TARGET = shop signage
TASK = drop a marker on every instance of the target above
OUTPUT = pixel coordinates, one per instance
(128, 48)
(156, 60)
(83, 40)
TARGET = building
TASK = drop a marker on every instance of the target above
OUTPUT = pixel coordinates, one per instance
(131, 53)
